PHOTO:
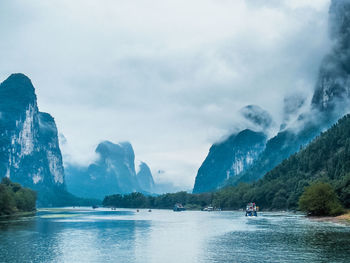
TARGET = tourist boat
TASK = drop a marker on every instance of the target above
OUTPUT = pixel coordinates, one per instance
(209, 209)
(178, 207)
(251, 209)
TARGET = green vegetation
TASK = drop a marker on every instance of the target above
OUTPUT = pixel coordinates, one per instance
(326, 159)
(165, 201)
(319, 199)
(59, 197)
(14, 198)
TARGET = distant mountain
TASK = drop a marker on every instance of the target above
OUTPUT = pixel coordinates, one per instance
(228, 159)
(29, 149)
(112, 173)
(145, 179)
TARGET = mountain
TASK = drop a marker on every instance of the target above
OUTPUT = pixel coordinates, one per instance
(29, 149)
(145, 178)
(277, 149)
(113, 172)
(329, 102)
(326, 158)
(229, 158)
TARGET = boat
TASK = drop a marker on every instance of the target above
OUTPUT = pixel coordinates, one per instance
(178, 207)
(209, 208)
(94, 206)
(251, 209)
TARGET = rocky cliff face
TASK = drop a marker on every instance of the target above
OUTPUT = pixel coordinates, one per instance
(29, 149)
(113, 173)
(228, 159)
(278, 148)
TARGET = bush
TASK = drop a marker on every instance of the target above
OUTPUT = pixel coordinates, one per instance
(320, 199)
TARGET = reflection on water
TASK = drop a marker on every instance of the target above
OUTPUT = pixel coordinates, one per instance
(102, 235)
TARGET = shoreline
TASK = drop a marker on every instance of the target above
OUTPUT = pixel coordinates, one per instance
(343, 219)
(18, 214)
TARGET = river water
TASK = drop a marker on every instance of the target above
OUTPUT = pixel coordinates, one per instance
(125, 235)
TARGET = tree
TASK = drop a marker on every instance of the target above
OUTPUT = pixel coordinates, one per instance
(320, 199)
(14, 198)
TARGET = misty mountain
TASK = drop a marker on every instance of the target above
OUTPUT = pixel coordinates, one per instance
(329, 102)
(112, 173)
(145, 178)
(29, 149)
(228, 159)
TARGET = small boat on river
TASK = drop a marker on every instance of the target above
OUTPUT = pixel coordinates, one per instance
(178, 207)
(251, 210)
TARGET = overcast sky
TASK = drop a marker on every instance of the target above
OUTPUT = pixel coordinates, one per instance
(167, 75)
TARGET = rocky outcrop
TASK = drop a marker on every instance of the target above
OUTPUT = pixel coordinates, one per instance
(228, 159)
(29, 149)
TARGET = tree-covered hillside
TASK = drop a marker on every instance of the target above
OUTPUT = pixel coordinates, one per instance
(327, 158)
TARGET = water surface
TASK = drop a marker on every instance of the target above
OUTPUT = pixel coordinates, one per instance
(103, 235)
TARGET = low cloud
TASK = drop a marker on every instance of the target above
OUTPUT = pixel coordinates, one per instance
(168, 76)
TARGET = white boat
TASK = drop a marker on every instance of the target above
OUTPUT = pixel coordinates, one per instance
(209, 208)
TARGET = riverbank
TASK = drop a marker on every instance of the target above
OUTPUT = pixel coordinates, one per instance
(342, 219)
(18, 214)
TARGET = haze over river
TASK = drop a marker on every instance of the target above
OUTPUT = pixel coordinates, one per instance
(103, 235)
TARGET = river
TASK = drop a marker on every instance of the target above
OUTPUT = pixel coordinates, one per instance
(125, 235)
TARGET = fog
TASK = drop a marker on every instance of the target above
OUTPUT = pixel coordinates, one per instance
(168, 76)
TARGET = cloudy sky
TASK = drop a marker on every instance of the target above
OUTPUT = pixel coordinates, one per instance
(167, 75)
